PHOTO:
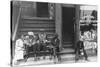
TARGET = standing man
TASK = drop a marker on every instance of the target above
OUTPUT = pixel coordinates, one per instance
(80, 50)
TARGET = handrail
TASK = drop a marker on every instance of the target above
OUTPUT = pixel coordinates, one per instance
(16, 26)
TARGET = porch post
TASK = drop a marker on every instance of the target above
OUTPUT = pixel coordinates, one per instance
(77, 25)
(58, 22)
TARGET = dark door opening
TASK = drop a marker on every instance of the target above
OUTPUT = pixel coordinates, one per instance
(68, 14)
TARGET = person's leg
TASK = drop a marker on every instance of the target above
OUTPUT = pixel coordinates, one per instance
(57, 53)
(85, 54)
(77, 55)
(37, 51)
(34, 51)
(25, 53)
(44, 50)
(54, 54)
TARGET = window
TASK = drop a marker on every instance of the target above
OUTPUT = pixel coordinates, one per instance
(37, 9)
(42, 9)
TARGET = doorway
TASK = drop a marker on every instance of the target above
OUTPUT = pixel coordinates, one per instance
(68, 19)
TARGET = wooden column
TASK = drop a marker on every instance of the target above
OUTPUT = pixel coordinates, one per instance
(77, 27)
(58, 22)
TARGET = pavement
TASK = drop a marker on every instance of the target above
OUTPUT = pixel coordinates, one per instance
(65, 59)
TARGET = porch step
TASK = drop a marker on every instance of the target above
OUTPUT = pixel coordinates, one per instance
(67, 51)
(67, 45)
(36, 26)
(37, 29)
(68, 58)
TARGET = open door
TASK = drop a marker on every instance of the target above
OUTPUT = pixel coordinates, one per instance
(68, 19)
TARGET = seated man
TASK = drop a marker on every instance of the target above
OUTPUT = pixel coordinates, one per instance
(30, 44)
(42, 41)
(33, 40)
(19, 50)
(27, 46)
(55, 42)
(42, 45)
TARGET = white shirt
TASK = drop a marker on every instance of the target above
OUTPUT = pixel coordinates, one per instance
(19, 50)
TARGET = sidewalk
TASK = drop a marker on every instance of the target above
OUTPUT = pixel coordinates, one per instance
(65, 59)
(90, 59)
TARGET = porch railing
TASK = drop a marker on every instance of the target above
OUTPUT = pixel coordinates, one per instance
(16, 25)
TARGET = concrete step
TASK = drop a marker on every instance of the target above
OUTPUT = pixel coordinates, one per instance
(67, 57)
(31, 63)
(67, 45)
(67, 51)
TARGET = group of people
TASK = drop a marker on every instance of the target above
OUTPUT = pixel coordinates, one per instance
(34, 44)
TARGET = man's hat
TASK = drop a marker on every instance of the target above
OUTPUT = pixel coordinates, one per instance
(30, 33)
